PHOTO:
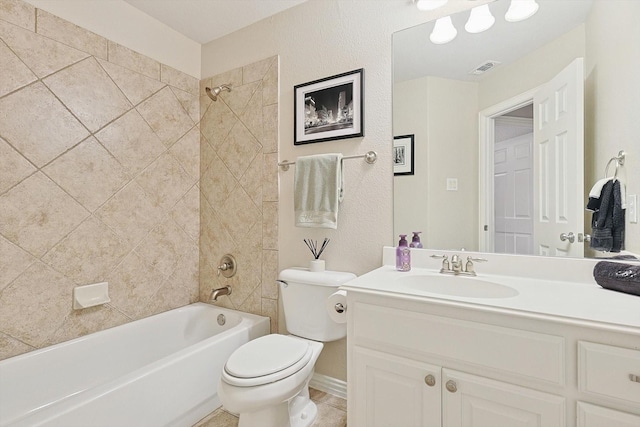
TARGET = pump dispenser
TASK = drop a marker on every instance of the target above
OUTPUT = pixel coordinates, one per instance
(403, 255)
(415, 240)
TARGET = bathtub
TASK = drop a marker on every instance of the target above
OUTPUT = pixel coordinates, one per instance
(158, 371)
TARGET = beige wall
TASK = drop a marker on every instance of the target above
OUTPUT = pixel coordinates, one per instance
(443, 115)
(239, 187)
(612, 91)
(122, 23)
(99, 172)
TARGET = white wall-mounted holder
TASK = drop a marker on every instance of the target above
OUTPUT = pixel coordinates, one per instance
(90, 295)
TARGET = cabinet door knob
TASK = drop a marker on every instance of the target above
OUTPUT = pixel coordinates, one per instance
(430, 380)
(451, 386)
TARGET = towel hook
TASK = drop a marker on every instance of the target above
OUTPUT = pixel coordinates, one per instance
(619, 159)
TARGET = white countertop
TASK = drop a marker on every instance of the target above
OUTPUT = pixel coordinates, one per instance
(576, 300)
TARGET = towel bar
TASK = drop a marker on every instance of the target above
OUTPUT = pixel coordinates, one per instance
(619, 160)
(370, 157)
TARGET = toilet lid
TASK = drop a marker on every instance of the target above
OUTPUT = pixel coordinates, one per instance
(267, 355)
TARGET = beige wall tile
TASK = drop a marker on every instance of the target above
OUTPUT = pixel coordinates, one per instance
(270, 128)
(132, 141)
(14, 73)
(187, 151)
(36, 104)
(13, 167)
(132, 284)
(270, 177)
(88, 173)
(164, 247)
(239, 97)
(270, 274)
(232, 77)
(10, 347)
(238, 214)
(217, 182)
(32, 307)
(270, 225)
(136, 87)
(270, 91)
(179, 80)
(216, 123)
(65, 32)
(130, 214)
(186, 213)
(14, 262)
(252, 115)
(86, 89)
(19, 13)
(36, 214)
(189, 102)
(239, 149)
(252, 181)
(253, 303)
(215, 240)
(88, 254)
(166, 116)
(41, 54)
(134, 61)
(257, 70)
(270, 309)
(165, 181)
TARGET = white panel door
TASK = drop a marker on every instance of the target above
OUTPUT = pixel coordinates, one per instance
(513, 188)
(474, 401)
(394, 391)
(597, 416)
(558, 160)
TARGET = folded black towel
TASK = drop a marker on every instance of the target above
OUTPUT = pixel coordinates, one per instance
(617, 276)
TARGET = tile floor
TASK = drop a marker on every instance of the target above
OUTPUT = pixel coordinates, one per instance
(332, 412)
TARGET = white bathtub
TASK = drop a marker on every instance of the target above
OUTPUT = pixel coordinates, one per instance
(158, 371)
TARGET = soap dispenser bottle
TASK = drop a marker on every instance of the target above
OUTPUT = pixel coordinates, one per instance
(415, 240)
(403, 255)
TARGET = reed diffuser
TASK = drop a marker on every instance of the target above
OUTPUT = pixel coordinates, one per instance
(316, 264)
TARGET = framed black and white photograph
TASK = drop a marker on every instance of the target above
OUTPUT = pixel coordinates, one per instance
(403, 155)
(329, 108)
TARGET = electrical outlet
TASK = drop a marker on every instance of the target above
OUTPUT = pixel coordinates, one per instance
(452, 184)
(632, 208)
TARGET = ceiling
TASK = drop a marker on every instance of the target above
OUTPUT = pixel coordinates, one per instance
(206, 20)
(415, 56)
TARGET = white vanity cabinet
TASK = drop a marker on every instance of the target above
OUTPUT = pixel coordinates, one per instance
(428, 362)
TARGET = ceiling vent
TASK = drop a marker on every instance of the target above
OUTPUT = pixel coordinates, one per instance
(484, 67)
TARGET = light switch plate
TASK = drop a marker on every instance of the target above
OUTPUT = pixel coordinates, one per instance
(632, 208)
(452, 184)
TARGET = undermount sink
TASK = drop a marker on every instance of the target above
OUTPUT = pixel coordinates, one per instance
(460, 286)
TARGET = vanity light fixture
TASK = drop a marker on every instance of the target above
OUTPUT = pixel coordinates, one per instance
(429, 4)
(519, 10)
(480, 19)
(444, 31)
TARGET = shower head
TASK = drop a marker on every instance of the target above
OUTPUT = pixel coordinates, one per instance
(213, 93)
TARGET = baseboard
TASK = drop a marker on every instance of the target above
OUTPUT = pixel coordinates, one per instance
(329, 385)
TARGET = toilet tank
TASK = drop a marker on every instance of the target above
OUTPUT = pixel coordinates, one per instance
(304, 294)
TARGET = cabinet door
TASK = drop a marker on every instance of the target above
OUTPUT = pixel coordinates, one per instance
(596, 416)
(392, 391)
(473, 401)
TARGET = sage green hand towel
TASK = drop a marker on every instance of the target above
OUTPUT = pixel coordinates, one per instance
(317, 190)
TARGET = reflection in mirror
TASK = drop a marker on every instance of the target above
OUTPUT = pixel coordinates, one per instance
(479, 148)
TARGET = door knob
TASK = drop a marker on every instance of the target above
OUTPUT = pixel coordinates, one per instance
(570, 237)
(452, 386)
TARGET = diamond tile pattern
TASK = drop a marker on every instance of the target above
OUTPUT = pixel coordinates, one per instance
(114, 167)
(236, 176)
(99, 180)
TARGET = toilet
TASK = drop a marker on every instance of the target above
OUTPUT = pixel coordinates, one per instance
(266, 381)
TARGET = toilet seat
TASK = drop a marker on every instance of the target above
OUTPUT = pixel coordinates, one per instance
(266, 359)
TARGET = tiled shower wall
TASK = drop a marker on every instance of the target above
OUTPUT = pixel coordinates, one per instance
(239, 187)
(99, 176)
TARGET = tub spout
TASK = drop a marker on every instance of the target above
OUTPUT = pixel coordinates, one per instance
(219, 292)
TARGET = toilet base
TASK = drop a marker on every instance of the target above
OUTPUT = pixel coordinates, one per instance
(298, 412)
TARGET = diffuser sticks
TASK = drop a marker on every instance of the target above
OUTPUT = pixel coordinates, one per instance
(313, 247)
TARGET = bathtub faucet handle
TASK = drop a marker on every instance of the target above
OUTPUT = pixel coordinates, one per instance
(227, 266)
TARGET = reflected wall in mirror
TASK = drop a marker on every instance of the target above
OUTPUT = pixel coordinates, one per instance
(459, 120)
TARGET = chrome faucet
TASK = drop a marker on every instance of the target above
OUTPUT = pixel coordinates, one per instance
(219, 292)
(456, 267)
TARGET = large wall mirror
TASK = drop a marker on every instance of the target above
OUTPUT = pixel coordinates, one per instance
(485, 177)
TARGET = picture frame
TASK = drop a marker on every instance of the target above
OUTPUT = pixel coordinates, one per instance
(329, 109)
(403, 162)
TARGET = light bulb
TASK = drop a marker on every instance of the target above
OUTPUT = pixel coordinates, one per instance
(480, 19)
(519, 10)
(430, 4)
(444, 31)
